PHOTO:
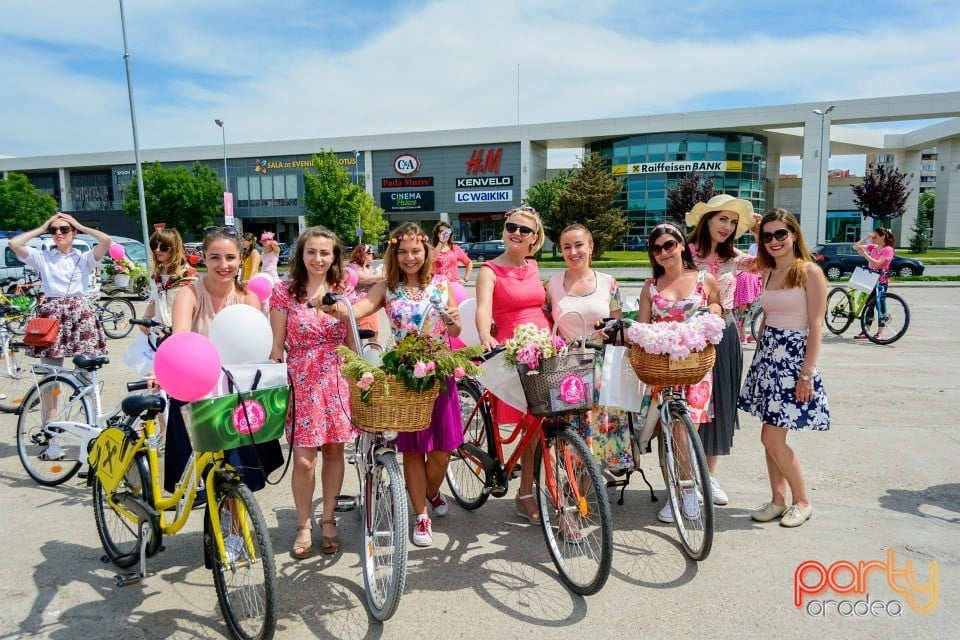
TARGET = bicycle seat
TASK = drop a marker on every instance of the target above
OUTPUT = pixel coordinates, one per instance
(137, 405)
(89, 363)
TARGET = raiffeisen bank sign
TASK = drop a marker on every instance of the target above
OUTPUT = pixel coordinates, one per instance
(677, 166)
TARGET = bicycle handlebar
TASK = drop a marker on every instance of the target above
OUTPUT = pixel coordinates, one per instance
(148, 322)
(138, 385)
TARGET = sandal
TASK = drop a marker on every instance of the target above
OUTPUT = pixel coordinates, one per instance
(522, 510)
(303, 548)
(860, 336)
(329, 545)
(569, 529)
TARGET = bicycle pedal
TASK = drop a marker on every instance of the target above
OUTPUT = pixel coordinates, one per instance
(127, 579)
(498, 492)
(345, 503)
(516, 471)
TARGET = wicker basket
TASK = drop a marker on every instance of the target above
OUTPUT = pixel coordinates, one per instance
(562, 384)
(392, 407)
(659, 370)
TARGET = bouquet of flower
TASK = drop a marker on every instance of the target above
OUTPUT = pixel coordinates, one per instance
(530, 345)
(677, 339)
(123, 267)
(417, 360)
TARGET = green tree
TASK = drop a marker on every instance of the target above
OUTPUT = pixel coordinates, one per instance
(588, 200)
(22, 207)
(688, 192)
(882, 195)
(185, 199)
(331, 199)
(920, 241)
(542, 197)
(372, 222)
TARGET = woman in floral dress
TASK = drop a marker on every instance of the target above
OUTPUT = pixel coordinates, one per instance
(594, 296)
(410, 296)
(675, 293)
(320, 410)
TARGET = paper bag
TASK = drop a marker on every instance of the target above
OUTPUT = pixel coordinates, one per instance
(619, 386)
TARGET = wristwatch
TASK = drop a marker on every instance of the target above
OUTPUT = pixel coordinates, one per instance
(806, 378)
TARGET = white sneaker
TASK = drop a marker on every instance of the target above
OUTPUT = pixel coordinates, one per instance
(423, 531)
(690, 504)
(439, 504)
(666, 513)
(233, 544)
(719, 495)
(53, 450)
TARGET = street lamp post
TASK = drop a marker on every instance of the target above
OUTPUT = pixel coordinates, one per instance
(823, 115)
(223, 131)
(228, 218)
(356, 179)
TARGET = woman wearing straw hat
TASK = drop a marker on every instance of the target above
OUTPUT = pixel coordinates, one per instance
(717, 224)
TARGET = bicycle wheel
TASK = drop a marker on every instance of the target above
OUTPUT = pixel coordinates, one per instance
(17, 322)
(466, 477)
(895, 321)
(119, 531)
(115, 315)
(579, 529)
(245, 576)
(15, 380)
(49, 455)
(839, 314)
(687, 478)
(384, 529)
(756, 319)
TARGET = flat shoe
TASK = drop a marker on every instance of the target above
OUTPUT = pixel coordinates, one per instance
(302, 549)
(795, 515)
(768, 512)
(329, 545)
(522, 509)
(860, 336)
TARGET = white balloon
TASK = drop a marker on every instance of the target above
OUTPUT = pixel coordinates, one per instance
(468, 322)
(241, 334)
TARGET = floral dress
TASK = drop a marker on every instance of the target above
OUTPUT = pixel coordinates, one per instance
(410, 311)
(321, 397)
(665, 310)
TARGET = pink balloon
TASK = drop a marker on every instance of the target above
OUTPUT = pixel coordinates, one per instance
(187, 366)
(459, 292)
(456, 343)
(350, 277)
(116, 251)
(261, 285)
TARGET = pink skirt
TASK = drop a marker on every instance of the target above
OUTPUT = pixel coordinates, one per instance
(748, 289)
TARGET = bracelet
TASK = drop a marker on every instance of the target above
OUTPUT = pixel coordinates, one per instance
(806, 378)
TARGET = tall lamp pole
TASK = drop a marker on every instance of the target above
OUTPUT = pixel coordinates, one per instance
(823, 115)
(356, 178)
(223, 131)
(228, 218)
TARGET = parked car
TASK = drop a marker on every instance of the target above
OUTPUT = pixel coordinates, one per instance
(285, 255)
(839, 258)
(482, 251)
(194, 256)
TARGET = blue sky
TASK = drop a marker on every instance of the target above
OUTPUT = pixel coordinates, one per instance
(292, 69)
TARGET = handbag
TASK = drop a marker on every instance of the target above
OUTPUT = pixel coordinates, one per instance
(41, 332)
(620, 388)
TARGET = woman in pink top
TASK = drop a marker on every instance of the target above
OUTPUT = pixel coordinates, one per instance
(510, 293)
(879, 255)
(447, 256)
(783, 387)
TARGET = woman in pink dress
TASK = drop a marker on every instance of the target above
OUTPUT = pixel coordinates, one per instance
(510, 293)
(447, 256)
(320, 414)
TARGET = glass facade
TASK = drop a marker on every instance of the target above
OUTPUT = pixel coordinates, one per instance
(652, 164)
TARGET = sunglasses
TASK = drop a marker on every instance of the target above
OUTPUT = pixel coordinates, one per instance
(63, 230)
(230, 231)
(159, 246)
(668, 246)
(524, 208)
(779, 235)
(513, 228)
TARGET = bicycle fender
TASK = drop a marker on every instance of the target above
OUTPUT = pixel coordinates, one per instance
(111, 455)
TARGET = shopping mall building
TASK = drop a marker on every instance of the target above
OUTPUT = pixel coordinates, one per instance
(471, 176)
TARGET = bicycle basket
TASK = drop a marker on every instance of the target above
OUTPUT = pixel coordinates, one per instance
(391, 406)
(560, 384)
(659, 370)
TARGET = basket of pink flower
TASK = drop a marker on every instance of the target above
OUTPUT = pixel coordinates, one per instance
(398, 395)
(675, 354)
(555, 378)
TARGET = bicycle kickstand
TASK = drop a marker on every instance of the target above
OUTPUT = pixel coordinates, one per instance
(136, 577)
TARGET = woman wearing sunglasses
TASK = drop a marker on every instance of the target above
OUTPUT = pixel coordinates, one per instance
(717, 224)
(677, 291)
(510, 293)
(447, 255)
(170, 272)
(361, 263)
(783, 387)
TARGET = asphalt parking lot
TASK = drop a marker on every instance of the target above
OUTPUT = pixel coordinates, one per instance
(884, 477)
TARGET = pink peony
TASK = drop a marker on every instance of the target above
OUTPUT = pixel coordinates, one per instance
(365, 381)
(459, 372)
(420, 370)
(431, 366)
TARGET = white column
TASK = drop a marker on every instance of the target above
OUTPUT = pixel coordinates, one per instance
(813, 195)
(63, 178)
(909, 163)
(946, 216)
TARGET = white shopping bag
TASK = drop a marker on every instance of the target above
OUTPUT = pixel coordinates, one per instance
(139, 355)
(619, 386)
(245, 377)
(503, 381)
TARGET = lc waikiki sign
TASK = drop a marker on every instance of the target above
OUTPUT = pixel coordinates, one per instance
(677, 166)
(843, 577)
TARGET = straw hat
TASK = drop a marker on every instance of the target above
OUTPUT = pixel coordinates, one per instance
(723, 202)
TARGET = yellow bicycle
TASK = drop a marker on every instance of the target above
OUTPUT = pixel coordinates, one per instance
(131, 515)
